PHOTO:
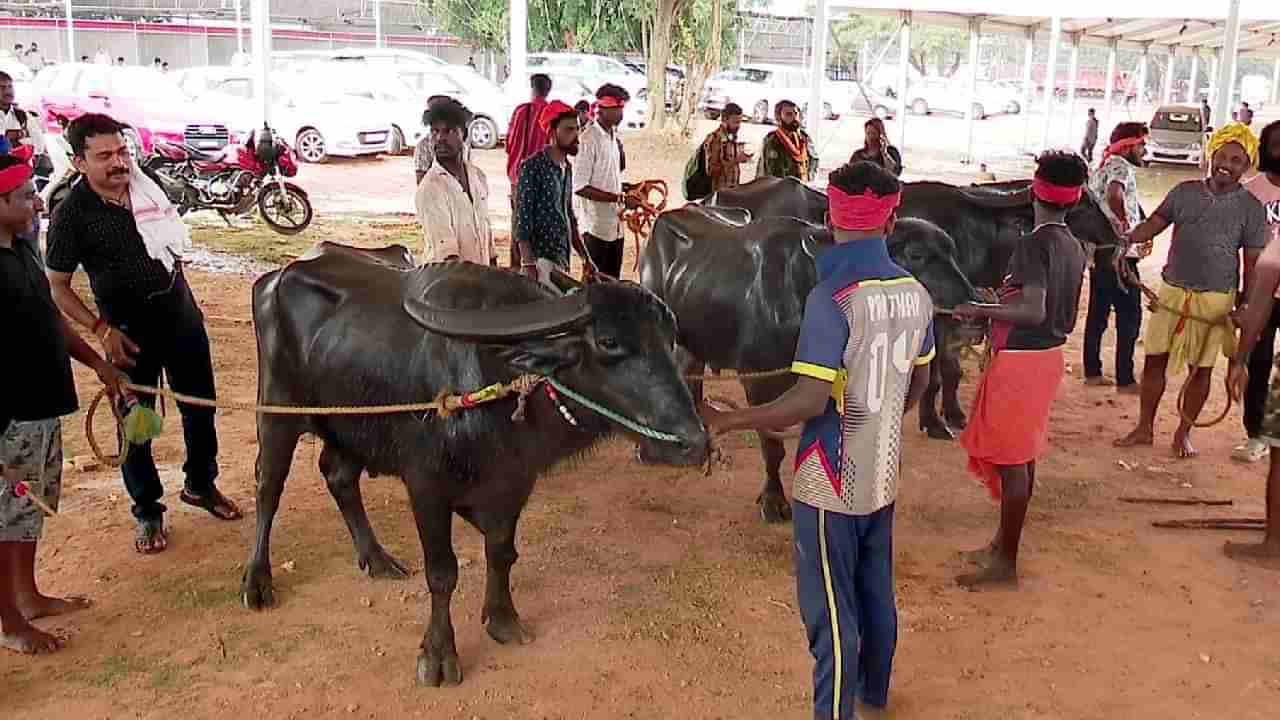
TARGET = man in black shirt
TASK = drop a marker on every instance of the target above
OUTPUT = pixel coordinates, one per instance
(148, 318)
(39, 390)
(545, 226)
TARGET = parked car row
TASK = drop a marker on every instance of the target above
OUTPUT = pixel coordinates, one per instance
(758, 88)
(571, 90)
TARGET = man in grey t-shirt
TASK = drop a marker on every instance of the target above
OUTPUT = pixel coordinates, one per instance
(1213, 221)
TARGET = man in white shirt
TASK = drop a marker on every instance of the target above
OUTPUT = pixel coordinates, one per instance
(18, 125)
(597, 182)
(453, 197)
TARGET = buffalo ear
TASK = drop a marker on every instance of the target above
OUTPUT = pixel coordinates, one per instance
(543, 356)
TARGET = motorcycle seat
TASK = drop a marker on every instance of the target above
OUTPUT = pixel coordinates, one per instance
(199, 155)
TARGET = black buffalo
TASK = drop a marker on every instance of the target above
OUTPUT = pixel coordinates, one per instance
(985, 221)
(343, 327)
(738, 288)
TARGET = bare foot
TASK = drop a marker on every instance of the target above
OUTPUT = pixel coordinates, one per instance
(1182, 448)
(41, 606)
(1266, 552)
(30, 641)
(982, 556)
(997, 572)
(1136, 438)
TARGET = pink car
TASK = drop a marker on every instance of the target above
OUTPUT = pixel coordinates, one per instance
(145, 100)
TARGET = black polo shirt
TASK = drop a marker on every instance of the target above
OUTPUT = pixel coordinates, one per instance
(34, 364)
(103, 237)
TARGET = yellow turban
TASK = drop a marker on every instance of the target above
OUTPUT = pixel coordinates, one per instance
(1234, 132)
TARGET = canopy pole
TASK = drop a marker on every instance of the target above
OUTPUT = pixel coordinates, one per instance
(1193, 86)
(1029, 56)
(1073, 82)
(975, 32)
(377, 23)
(904, 64)
(519, 39)
(818, 67)
(1144, 65)
(1227, 65)
(1109, 97)
(1275, 83)
(71, 33)
(239, 29)
(1051, 77)
(1167, 97)
(1213, 80)
(260, 39)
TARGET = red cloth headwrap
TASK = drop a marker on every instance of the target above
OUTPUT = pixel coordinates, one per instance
(1056, 194)
(12, 177)
(609, 101)
(553, 110)
(1120, 146)
(867, 211)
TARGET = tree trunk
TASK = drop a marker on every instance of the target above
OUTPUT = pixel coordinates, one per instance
(698, 72)
(664, 19)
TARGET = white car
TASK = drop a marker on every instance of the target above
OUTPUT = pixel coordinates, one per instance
(571, 90)
(758, 88)
(593, 70)
(395, 103)
(319, 124)
(951, 95)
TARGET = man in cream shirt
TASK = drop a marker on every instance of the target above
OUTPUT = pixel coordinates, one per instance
(597, 182)
(453, 197)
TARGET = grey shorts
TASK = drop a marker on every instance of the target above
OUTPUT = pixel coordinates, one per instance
(30, 452)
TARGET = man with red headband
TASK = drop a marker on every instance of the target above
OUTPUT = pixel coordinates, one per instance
(1214, 221)
(545, 226)
(1114, 186)
(597, 182)
(1029, 325)
(862, 360)
(39, 391)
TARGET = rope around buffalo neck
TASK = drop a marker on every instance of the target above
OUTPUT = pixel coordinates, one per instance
(605, 412)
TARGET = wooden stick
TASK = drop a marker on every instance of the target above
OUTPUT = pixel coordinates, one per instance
(1174, 501)
(21, 489)
(1214, 524)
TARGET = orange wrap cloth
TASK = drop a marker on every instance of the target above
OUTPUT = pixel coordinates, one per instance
(1010, 418)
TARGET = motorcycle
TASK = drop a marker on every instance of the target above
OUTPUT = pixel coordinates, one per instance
(234, 180)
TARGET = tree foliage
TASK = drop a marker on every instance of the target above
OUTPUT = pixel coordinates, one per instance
(581, 25)
(935, 50)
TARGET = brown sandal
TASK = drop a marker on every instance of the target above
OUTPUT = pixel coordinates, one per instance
(215, 503)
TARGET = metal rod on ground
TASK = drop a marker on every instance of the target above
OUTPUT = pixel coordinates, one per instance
(1213, 524)
(904, 64)
(1174, 501)
(1227, 64)
(1050, 78)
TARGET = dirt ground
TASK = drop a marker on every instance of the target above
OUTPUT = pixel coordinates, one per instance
(656, 593)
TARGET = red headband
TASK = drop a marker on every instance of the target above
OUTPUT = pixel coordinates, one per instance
(1120, 146)
(12, 177)
(609, 101)
(551, 112)
(1056, 194)
(867, 211)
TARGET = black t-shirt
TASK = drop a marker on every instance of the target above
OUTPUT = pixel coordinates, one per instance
(103, 237)
(863, 154)
(34, 364)
(1049, 258)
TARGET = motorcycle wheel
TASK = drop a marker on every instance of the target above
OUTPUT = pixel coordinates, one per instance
(288, 212)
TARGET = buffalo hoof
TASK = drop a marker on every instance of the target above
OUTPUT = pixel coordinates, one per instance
(939, 431)
(774, 508)
(439, 671)
(957, 421)
(256, 590)
(506, 628)
(378, 564)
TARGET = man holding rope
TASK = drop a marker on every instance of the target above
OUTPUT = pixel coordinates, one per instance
(1248, 373)
(862, 360)
(37, 362)
(597, 182)
(118, 224)
(1213, 221)
(1029, 327)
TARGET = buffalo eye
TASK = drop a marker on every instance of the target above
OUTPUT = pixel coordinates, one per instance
(608, 343)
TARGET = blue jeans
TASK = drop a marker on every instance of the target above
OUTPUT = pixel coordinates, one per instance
(844, 580)
(1107, 291)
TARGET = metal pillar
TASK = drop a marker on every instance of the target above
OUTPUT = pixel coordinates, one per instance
(1028, 57)
(519, 39)
(377, 23)
(904, 64)
(1167, 96)
(1073, 79)
(1144, 64)
(975, 35)
(1050, 77)
(260, 41)
(1227, 65)
(239, 29)
(818, 68)
(1193, 85)
(1213, 80)
(1275, 83)
(1109, 97)
(71, 34)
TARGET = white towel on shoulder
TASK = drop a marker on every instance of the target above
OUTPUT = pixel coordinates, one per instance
(162, 230)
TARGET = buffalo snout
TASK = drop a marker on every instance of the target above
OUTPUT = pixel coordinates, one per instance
(692, 447)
